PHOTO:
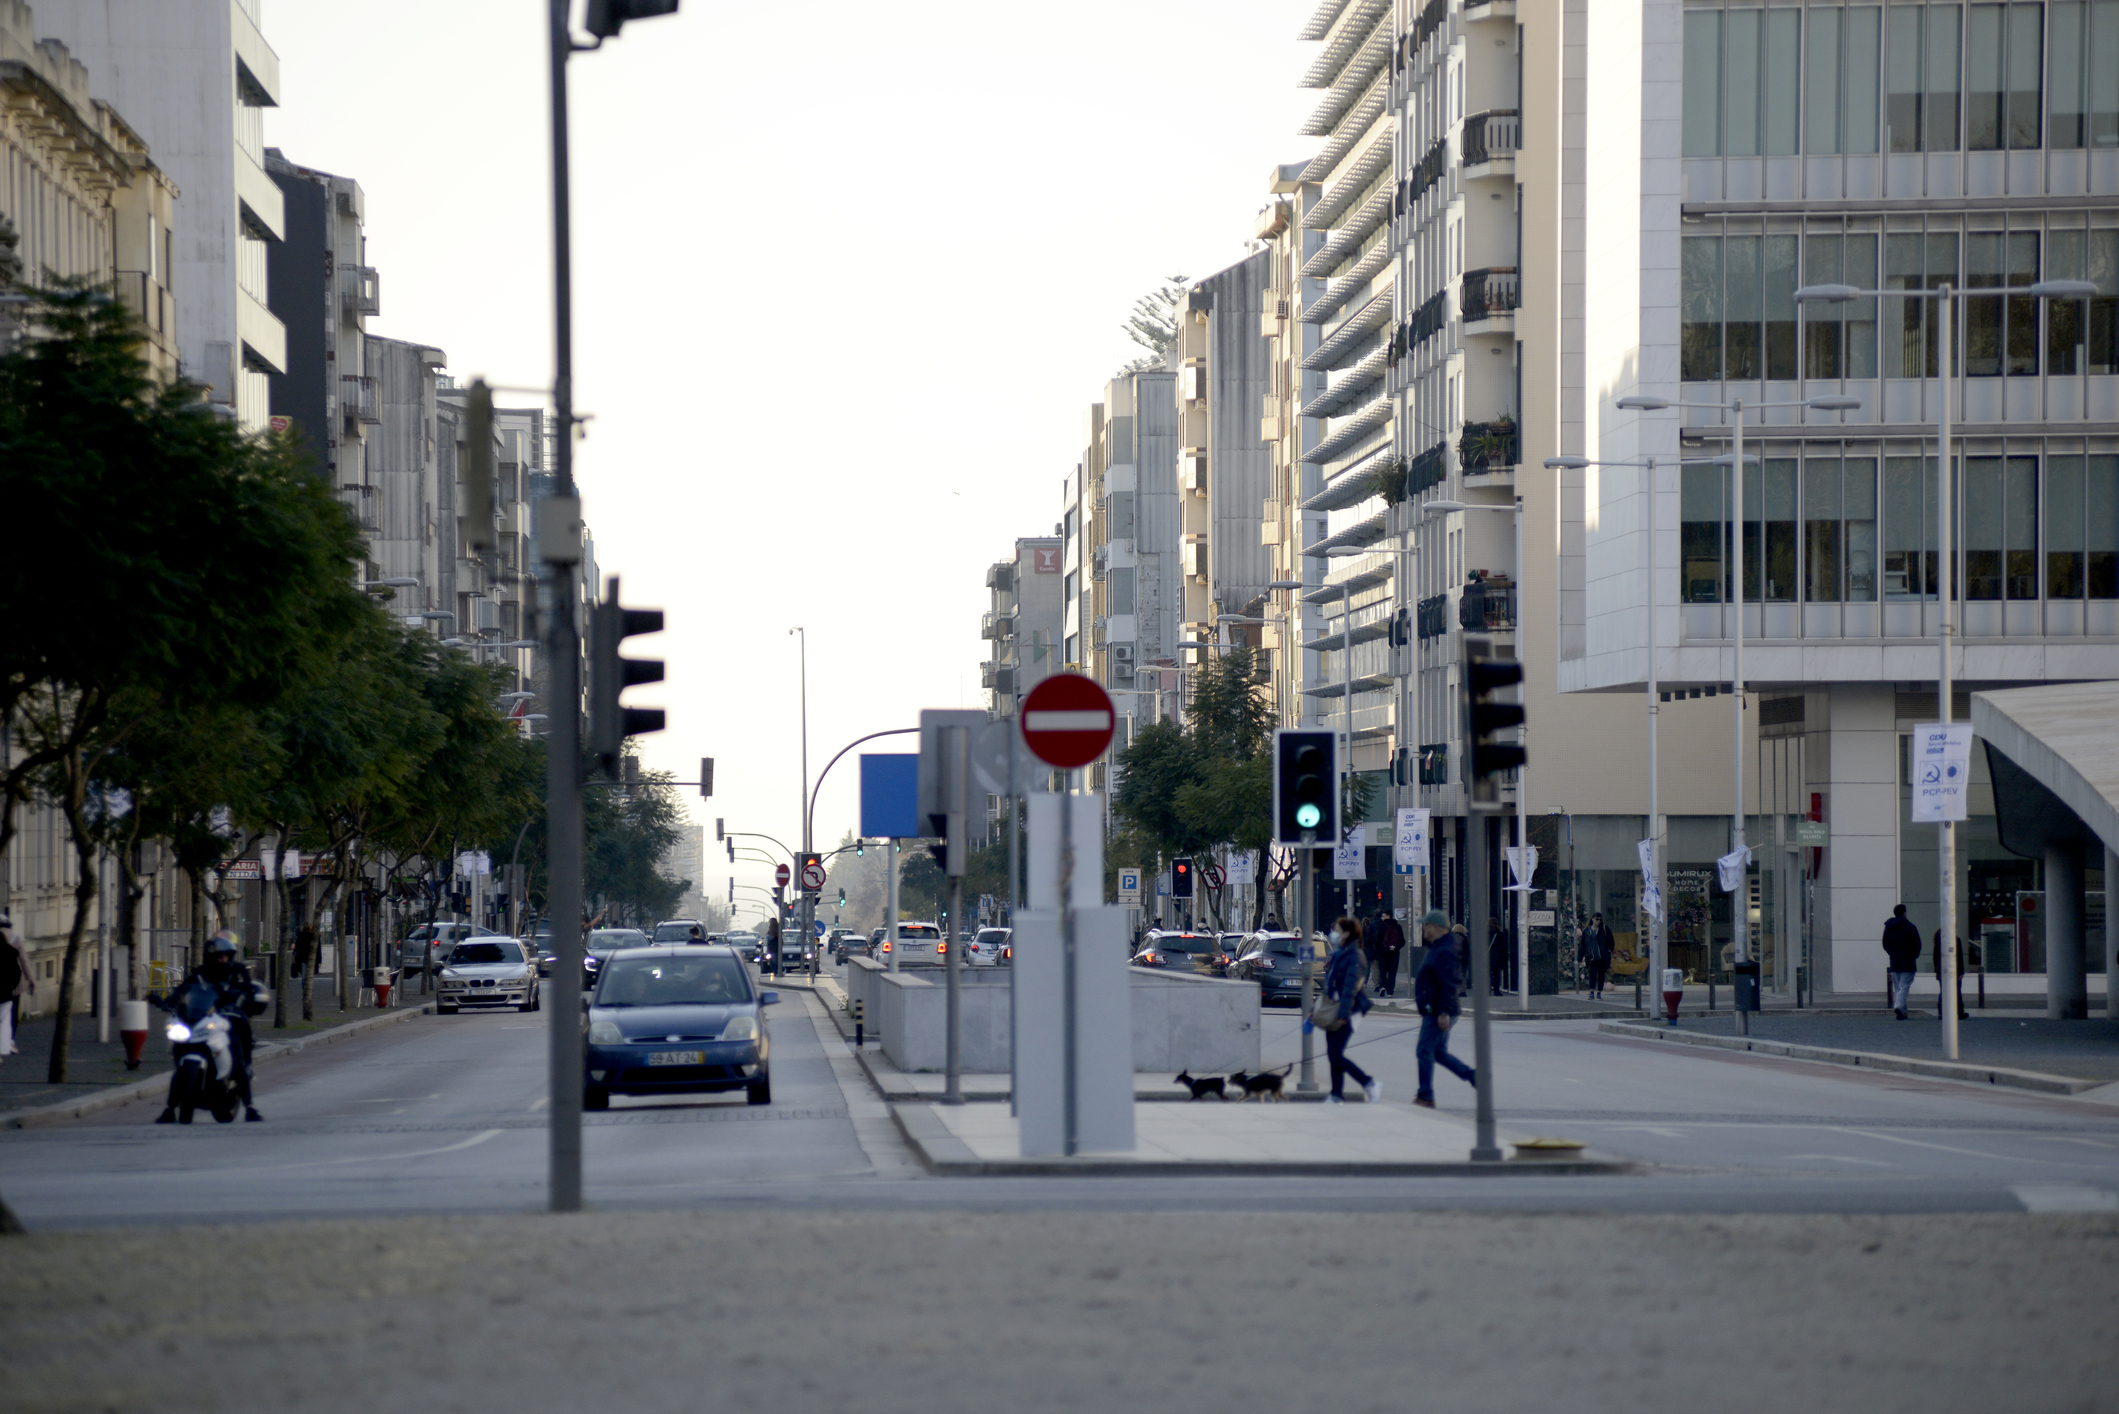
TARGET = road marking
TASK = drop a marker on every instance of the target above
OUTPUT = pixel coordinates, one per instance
(1650, 1129)
(1839, 1159)
(473, 1141)
(2064, 1198)
(1949, 1149)
(539, 1103)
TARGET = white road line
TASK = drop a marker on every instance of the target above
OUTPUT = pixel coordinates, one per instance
(1970, 1153)
(2064, 1198)
(474, 1140)
(1839, 1159)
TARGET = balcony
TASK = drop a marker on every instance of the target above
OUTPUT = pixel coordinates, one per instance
(360, 290)
(1490, 142)
(1488, 446)
(1433, 617)
(1427, 470)
(147, 302)
(1001, 576)
(356, 398)
(1488, 606)
(1487, 302)
(997, 626)
(1434, 764)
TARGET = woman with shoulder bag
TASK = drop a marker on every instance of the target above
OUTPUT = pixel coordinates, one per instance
(1343, 997)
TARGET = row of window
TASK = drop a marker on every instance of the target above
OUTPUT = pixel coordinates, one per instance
(1823, 530)
(1901, 78)
(1740, 321)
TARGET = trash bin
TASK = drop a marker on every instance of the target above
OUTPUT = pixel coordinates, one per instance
(1745, 977)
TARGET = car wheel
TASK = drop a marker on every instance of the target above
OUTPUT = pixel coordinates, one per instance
(595, 1098)
(761, 1091)
(530, 1004)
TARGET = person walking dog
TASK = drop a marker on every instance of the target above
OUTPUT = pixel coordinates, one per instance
(1902, 947)
(1435, 990)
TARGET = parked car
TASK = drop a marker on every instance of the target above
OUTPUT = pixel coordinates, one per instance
(678, 930)
(746, 946)
(989, 948)
(916, 945)
(1274, 962)
(601, 942)
(682, 1020)
(425, 946)
(1182, 952)
(488, 972)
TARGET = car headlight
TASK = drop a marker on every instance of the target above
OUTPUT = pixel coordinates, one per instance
(606, 1033)
(743, 1028)
(177, 1031)
(450, 974)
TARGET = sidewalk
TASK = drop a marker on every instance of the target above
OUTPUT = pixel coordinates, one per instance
(96, 1073)
(1994, 1048)
(1224, 1139)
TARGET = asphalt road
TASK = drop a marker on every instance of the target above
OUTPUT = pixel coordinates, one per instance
(445, 1115)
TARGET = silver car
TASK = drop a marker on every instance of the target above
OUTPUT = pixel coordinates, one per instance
(989, 948)
(488, 973)
(916, 945)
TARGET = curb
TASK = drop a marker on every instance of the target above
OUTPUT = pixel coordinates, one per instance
(943, 1154)
(116, 1095)
(2032, 1080)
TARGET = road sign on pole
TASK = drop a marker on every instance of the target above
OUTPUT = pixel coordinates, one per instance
(1067, 721)
(812, 874)
(781, 875)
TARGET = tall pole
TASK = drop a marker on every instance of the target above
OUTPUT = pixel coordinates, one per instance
(1476, 883)
(1346, 716)
(1308, 905)
(560, 544)
(1522, 798)
(809, 902)
(1740, 903)
(1946, 506)
(890, 902)
(1655, 819)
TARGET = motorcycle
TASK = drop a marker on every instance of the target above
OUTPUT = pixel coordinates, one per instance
(204, 1055)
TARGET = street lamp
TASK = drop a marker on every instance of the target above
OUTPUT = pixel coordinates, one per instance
(1830, 402)
(1346, 685)
(1944, 295)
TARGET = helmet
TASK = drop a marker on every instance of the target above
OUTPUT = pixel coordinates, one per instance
(221, 944)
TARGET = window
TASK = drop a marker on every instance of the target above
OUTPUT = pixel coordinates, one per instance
(1915, 262)
(1839, 340)
(1909, 527)
(1703, 83)
(2083, 85)
(1700, 306)
(1703, 514)
(2001, 527)
(1746, 285)
(1074, 648)
(1072, 579)
(2082, 527)
(2001, 334)
(1071, 523)
(1120, 516)
(1742, 96)
(2002, 52)
(1122, 591)
(1841, 78)
(2082, 336)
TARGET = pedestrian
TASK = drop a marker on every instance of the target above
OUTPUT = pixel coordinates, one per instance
(1344, 997)
(1390, 941)
(1372, 962)
(1942, 988)
(1435, 994)
(1498, 957)
(1902, 947)
(1597, 946)
(16, 981)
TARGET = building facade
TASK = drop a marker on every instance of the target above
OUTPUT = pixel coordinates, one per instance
(1023, 623)
(193, 78)
(322, 290)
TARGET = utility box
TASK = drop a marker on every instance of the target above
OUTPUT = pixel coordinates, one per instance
(1744, 975)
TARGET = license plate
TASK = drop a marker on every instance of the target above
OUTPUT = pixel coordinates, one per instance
(677, 1058)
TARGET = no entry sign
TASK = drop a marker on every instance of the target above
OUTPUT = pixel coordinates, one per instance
(1067, 721)
(780, 875)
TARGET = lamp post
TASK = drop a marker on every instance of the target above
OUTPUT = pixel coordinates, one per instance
(808, 906)
(1740, 908)
(1346, 696)
(1946, 503)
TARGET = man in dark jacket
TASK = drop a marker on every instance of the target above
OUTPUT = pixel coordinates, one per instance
(1598, 946)
(1390, 941)
(1435, 991)
(1902, 947)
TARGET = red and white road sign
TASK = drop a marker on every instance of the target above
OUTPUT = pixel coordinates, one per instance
(813, 875)
(1067, 721)
(1213, 875)
(780, 875)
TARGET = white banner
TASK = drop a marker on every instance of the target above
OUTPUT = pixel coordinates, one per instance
(1409, 844)
(1652, 902)
(1243, 869)
(1646, 849)
(1350, 855)
(1730, 868)
(1942, 764)
(1523, 864)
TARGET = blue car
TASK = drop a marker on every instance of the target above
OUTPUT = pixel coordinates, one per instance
(676, 1021)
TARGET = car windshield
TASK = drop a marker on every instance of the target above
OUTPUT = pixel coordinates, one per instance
(675, 932)
(605, 939)
(470, 954)
(672, 981)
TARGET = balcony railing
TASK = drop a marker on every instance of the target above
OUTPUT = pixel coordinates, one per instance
(1494, 290)
(362, 289)
(1487, 605)
(1488, 446)
(1434, 764)
(1425, 323)
(1427, 470)
(1433, 615)
(1498, 132)
(356, 398)
(1425, 174)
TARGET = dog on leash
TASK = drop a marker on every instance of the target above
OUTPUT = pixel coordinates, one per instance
(1213, 1085)
(1266, 1085)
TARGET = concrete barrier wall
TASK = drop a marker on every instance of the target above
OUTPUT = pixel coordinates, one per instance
(1200, 1024)
(861, 985)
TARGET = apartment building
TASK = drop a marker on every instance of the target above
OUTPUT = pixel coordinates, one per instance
(490, 595)
(322, 290)
(401, 461)
(1225, 465)
(1023, 623)
(1134, 508)
(193, 78)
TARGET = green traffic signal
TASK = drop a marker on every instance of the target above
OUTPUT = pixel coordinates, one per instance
(1308, 816)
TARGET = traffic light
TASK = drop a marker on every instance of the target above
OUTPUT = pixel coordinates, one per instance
(1485, 758)
(607, 17)
(860, 850)
(1180, 878)
(732, 851)
(842, 898)
(609, 722)
(1305, 787)
(706, 777)
(719, 832)
(802, 863)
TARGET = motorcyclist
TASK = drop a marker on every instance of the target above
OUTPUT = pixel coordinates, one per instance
(239, 999)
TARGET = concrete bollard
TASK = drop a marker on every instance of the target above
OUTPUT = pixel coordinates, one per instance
(1673, 992)
(132, 1026)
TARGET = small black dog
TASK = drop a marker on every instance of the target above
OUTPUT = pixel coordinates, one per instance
(1264, 1086)
(1212, 1085)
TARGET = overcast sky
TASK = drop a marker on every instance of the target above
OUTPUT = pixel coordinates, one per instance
(847, 277)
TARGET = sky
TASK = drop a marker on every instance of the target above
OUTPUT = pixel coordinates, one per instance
(847, 278)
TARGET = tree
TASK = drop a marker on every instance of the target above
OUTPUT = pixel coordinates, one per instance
(197, 563)
(1153, 322)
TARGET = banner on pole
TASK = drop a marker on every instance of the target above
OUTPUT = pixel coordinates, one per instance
(1730, 869)
(1646, 849)
(1942, 764)
(1409, 844)
(1652, 902)
(1523, 865)
(1350, 855)
(1243, 869)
